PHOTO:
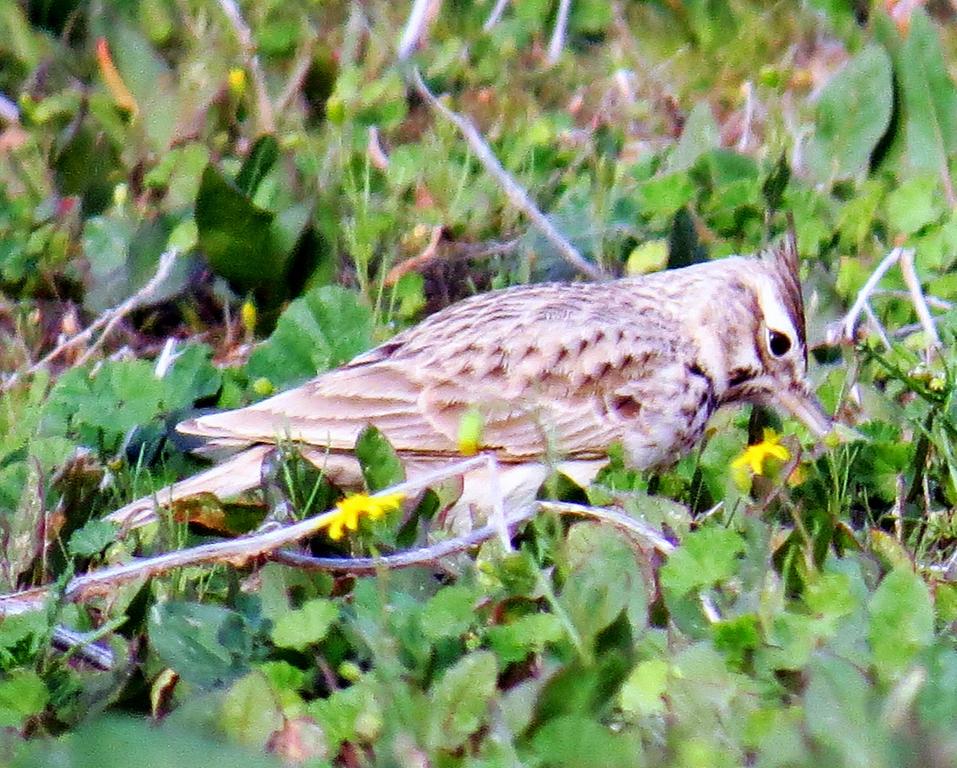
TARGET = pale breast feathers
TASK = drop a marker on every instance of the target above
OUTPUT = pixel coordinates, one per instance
(548, 367)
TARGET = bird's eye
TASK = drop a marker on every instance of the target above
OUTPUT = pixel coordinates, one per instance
(778, 343)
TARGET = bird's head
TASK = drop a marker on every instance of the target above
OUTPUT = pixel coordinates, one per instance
(757, 348)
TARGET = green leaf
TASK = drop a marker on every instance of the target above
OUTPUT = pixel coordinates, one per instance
(705, 557)
(22, 695)
(930, 99)
(901, 621)
(341, 714)
(840, 710)
(381, 465)
(259, 161)
(304, 626)
(662, 196)
(191, 377)
(113, 742)
(149, 78)
(937, 698)
(19, 626)
(699, 135)
(123, 257)
(324, 328)
(278, 37)
(250, 714)
(650, 256)
(603, 580)
(776, 182)
(92, 538)
(915, 203)
(514, 641)
(573, 741)
(460, 699)
(859, 213)
(102, 408)
(410, 293)
(448, 613)
(644, 690)
(235, 235)
(830, 594)
(206, 644)
(853, 113)
(591, 17)
(737, 637)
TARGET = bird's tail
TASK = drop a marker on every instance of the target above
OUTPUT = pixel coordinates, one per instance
(235, 475)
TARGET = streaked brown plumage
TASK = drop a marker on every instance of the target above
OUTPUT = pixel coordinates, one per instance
(555, 369)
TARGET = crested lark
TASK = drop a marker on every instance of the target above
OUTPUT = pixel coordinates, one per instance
(554, 369)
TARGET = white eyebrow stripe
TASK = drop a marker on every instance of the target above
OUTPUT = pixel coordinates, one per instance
(773, 310)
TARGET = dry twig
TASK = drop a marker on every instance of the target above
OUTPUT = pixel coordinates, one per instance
(108, 320)
(512, 189)
(427, 256)
(933, 302)
(912, 282)
(495, 15)
(557, 42)
(414, 28)
(904, 258)
(268, 543)
(298, 76)
(849, 323)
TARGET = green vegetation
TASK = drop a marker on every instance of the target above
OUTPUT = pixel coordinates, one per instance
(805, 615)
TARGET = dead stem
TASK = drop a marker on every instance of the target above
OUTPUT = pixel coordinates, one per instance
(512, 189)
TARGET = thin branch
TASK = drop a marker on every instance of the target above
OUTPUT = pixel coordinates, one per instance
(912, 282)
(512, 189)
(298, 76)
(641, 532)
(453, 251)
(426, 257)
(109, 319)
(430, 555)
(932, 301)
(496, 14)
(557, 42)
(83, 646)
(234, 551)
(240, 551)
(849, 323)
(245, 36)
(9, 112)
(877, 325)
(744, 140)
(709, 609)
(414, 28)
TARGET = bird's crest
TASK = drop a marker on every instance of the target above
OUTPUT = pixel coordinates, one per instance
(784, 261)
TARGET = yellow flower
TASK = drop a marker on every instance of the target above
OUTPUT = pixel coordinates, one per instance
(249, 315)
(753, 457)
(237, 81)
(349, 509)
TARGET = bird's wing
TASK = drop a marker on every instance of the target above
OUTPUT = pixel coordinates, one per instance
(545, 375)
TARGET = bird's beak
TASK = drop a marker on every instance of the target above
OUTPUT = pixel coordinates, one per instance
(804, 406)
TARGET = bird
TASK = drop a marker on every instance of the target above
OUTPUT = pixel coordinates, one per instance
(557, 372)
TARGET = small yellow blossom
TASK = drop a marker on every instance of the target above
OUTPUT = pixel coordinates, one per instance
(754, 456)
(263, 386)
(249, 315)
(349, 509)
(237, 81)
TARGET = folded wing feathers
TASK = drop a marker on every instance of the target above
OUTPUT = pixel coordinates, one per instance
(538, 362)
